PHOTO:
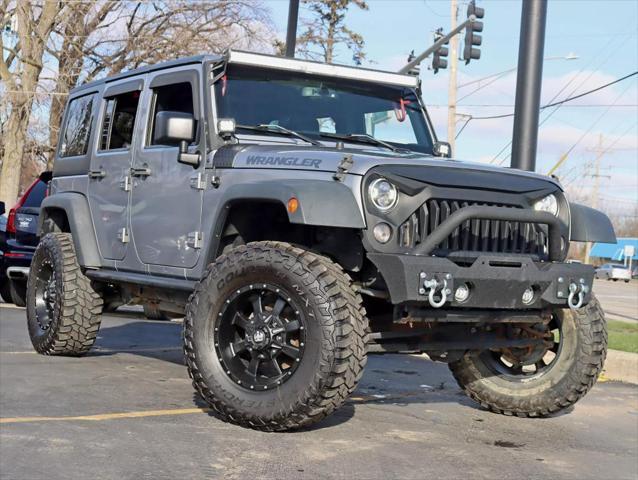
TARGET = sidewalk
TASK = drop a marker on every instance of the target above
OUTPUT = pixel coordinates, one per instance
(621, 366)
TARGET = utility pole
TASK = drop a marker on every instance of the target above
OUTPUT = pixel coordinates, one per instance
(291, 34)
(600, 151)
(528, 84)
(451, 95)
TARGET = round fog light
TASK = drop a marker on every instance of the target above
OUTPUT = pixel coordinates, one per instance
(462, 293)
(528, 295)
(382, 232)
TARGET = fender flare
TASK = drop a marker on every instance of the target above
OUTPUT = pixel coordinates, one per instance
(78, 214)
(590, 225)
(321, 202)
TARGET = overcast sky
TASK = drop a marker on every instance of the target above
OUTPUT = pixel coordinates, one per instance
(604, 36)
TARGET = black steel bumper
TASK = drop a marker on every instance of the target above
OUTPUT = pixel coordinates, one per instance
(494, 281)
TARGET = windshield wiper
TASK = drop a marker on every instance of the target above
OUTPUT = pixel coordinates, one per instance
(361, 137)
(279, 129)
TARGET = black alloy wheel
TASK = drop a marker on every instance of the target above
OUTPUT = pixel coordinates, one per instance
(260, 336)
(521, 364)
(45, 295)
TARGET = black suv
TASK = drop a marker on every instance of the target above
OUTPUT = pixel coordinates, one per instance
(21, 240)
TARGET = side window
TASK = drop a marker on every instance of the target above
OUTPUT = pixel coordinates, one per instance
(36, 195)
(119, 121)
(172, 98)
(75, 138)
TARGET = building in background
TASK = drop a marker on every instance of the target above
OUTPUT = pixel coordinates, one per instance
(624, 251)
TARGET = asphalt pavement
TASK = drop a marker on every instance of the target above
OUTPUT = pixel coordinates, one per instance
(127, 411)
(619, 299)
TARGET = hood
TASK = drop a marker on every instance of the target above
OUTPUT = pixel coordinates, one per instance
(411, 165)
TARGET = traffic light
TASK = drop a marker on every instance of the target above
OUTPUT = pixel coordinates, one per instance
(414, 71)
(471, 39)
(439, 58)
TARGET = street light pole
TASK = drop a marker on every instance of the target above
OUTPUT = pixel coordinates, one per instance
(528, 84)
(291, 34)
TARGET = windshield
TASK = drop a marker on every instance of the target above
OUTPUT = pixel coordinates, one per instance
(326, 109)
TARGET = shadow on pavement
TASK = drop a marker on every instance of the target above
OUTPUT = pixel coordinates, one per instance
(152, 339)
(397, 380)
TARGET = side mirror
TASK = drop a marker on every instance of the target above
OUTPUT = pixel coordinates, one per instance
(176, 127)
(442, 149)
(2, 210)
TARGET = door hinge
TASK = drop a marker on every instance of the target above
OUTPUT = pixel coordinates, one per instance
(199, 181)
(195, 239)
(122, 235)
(125, 184)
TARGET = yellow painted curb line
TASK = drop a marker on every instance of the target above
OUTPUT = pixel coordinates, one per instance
(159, 413)
(105, 350)
(107, 416)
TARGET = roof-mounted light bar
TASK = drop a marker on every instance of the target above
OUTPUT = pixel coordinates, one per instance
(316, 68)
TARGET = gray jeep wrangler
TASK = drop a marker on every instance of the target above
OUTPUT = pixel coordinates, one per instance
(298, 214)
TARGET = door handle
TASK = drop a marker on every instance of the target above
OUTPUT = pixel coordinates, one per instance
(97, 174)
(140, 172)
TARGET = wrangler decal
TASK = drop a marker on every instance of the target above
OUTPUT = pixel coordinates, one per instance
(285, 161)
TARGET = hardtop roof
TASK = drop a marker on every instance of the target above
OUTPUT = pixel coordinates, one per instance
(147, 69)
(269, 61)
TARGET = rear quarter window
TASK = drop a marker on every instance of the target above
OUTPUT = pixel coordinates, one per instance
(36, 195)
(77, 129)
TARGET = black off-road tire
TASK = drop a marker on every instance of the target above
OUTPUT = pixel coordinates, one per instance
(335, 352)
(77, 309)
(573, 373)
(18, 292)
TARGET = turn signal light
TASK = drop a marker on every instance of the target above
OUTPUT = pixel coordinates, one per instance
(293, 205)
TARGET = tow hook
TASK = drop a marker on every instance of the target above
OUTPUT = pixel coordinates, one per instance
(577, 291)
(433, 287)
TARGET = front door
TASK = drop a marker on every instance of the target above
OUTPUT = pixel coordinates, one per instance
(166, 202)
(109, 188)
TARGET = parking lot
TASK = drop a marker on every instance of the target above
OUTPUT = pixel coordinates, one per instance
(619, 299)
(127, 410)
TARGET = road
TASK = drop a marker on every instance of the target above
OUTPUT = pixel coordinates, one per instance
(127, 411)
(619, 299)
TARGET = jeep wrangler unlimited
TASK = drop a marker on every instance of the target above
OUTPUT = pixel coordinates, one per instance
(298, 214)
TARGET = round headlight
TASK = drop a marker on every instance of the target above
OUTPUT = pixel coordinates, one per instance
(383, 194)
(547, 204)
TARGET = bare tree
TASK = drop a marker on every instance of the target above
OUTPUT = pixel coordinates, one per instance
(20, 68)
(69, 51)
(81, 40)
(328, 29)
(109, 37)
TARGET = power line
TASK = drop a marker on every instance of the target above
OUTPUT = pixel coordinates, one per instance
(568, 99)
(603, 49)
(618, 138)
(566, 154)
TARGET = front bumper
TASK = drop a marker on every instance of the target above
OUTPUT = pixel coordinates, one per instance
(494, 281)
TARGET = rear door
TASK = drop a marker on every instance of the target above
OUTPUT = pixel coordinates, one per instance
(166, 199)
(109, 175)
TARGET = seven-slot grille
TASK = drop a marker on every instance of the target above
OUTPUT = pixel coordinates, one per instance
(475, 235)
